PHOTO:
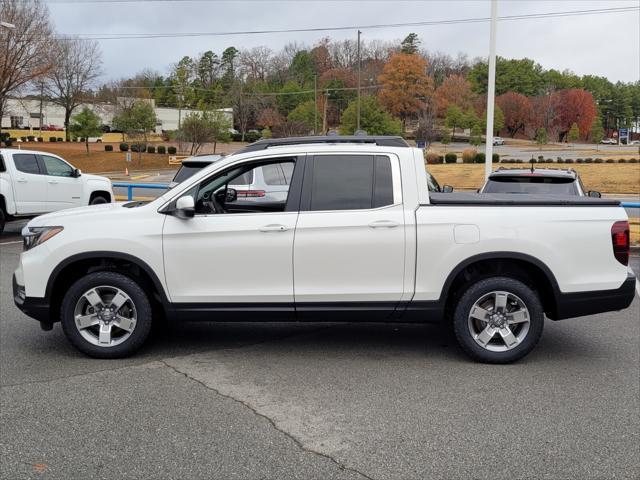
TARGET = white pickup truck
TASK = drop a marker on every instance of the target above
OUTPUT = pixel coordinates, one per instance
(359, 237)
(32, 183)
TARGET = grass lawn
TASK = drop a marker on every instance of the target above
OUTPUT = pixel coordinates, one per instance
(619, 178)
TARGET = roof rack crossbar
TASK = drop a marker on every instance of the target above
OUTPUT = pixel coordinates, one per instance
(381, 141)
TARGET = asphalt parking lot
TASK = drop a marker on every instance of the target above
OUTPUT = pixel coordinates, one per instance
(345, 401)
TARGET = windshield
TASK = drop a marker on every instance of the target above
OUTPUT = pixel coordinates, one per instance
(532, 184)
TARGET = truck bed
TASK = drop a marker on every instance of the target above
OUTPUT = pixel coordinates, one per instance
(510, 199)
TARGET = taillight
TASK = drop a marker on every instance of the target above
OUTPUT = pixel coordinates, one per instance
(620, 241)
(250, 193)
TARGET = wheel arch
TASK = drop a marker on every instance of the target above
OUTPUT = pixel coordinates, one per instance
(67, 271)
(530, 270)
(100, 193)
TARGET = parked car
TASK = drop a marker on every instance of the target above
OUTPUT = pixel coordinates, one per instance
(542, 181)
(609, 141)
(52, 128)
(94, 139)
(371, 243)
(33, 183)
(498, 141)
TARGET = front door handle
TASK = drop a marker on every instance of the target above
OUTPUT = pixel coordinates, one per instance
(383, 224)
(274, 228)
(53, 182)
(22, 180)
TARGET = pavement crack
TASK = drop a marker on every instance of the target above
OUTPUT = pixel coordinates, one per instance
(273, 424)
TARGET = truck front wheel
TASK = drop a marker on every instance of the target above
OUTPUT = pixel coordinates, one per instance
(498, 320)
(106, 315)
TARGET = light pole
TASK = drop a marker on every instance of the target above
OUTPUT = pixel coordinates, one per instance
(358, 105)
(491, 91)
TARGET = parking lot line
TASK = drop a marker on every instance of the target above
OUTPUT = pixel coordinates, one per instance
(9, 243)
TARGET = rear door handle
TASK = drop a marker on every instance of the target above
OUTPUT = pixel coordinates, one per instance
(383, 224)
(274, 228)
(53, 182)
(22, 180)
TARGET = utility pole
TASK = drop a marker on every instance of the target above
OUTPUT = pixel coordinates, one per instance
(491, 91)
(358, 103)
(315, 104)
(324, 115)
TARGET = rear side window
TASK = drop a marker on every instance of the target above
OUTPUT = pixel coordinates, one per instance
(245, 179)
(351, 182)
(2, 167)
(532, 185)
(274, 175)
(26, 162)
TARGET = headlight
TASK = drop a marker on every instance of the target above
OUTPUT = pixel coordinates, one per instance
(34, 236)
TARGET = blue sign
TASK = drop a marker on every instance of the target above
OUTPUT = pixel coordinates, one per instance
(421, 144)
(624, 132)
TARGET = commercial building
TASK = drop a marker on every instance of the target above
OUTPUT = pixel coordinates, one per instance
(30, 113)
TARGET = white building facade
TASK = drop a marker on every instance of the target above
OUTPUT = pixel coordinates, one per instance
(28, 113)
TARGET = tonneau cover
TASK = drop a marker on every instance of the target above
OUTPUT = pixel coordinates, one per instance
(511, 199)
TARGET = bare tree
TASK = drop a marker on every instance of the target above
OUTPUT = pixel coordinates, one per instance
(77, 65)
(254, 63)
(24, 49)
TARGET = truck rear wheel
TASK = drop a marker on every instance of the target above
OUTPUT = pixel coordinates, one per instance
(498, 320)
(106, 315)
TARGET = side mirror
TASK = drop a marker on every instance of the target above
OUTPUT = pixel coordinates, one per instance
(76, 172)
(594, 194)
(447, 189)
(185, 207)
(232, 195)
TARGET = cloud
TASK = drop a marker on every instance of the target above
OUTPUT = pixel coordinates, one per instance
(605, 44)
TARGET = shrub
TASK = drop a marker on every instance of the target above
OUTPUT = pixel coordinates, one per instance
(13, 139)
(469, 155)
(633, 160)
(31, 138)
(480, 158)
(52, 139)
(108, 148)
(598, 160)
(519, 160)
(162, 149)
(82, 139)
(495, 158)
(570, 160)
(124, 147)
(40, 139)
(622, 160)
(559, 160)
(610, 160)
(60, 139)
(236, 137)
(432, 158)
(134, 147)
(548, 160)
(451, 158)
(578, 160)
(588, 160)
(251, 137)
(540, 158)
(151, 149)
(171, 150)
(533, 160)
(8, 142)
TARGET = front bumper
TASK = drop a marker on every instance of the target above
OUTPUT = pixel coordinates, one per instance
(569, 305)
(34, 307)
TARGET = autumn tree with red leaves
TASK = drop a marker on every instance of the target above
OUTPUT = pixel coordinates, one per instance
(455, 90)
(406, 87)
(517, 111)
(576, 106)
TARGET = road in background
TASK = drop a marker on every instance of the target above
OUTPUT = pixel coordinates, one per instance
(347, 401)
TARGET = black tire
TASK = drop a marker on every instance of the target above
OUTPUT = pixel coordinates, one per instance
(137, 296)
(3, 219)
(98, 199)
(478, 290)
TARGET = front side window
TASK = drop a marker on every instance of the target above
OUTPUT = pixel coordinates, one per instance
(56, 167)
(234, 190)
(26, 162)
(351, 182)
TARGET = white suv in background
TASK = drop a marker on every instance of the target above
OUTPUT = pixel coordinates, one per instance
(32, 183)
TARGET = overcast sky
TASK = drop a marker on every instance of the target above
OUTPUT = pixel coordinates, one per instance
(603, 44)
